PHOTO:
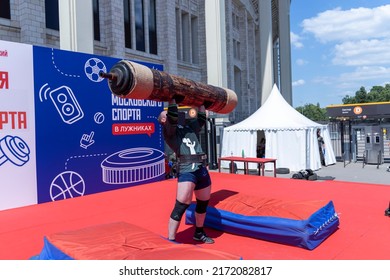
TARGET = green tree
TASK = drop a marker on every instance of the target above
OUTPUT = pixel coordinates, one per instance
(313, 112)
(376, 94)
(360, 97)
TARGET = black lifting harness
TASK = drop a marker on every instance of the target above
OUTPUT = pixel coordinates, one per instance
(199, 158)
(184, 159)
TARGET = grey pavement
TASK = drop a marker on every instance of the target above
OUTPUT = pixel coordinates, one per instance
(351, 172)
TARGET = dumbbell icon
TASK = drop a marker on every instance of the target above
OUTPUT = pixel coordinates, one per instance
(14, 149)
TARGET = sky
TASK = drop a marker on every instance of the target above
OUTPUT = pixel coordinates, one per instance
(338, 46)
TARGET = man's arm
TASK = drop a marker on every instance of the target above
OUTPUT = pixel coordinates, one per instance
(172, 117)
(202, 116)
(197, 123)
(173, 112)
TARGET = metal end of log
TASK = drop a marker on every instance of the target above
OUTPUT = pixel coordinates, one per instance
(109, 76)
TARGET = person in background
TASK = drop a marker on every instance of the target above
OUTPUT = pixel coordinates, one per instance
(261, 148)
(192, 174)
(170, 166)
(321, 147)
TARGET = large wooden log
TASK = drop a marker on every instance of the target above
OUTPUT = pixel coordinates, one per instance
(128, 79)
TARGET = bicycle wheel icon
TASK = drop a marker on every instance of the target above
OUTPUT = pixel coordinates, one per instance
(67, 184)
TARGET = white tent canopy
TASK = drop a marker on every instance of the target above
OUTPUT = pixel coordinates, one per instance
(291, 138)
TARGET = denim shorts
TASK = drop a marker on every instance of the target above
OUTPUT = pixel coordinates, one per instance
(200, 177)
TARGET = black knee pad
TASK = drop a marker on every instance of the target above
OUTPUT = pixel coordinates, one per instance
(201, 206)
(178, 210)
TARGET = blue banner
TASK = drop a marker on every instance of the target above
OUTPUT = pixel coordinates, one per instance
(87, 139)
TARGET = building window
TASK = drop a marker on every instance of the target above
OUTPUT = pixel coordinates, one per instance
(236, 21)
(152, 27)
(127, 20)
(236, 49)
(52, 15)
(194, 40)
(178, 34)
(5, 9)
(96, 20)
(187, 37)
(140, 25)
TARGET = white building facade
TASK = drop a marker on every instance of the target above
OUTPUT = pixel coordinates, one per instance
(240, 44)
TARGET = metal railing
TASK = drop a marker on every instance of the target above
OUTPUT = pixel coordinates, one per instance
(344, 159)
(379, 158)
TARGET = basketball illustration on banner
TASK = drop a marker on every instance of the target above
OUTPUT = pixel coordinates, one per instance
(67, 184)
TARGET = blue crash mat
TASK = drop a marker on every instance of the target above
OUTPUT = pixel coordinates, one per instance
(304, 224)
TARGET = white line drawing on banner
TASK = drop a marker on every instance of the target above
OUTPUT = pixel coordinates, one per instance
(43, 92)
(58, 69)
(133, 165)
(67, 162)
(99, 118)
(87, 140)
(64, 101)
(67, 184)
(15, 150)
(93, 67)
(160, 134)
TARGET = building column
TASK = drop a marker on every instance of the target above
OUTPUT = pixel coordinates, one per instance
(76, 25)
(32, 27)
(167, 35)
(285, 50)
(114, 32)
(146, 24)
(216, 43)
(266, 50)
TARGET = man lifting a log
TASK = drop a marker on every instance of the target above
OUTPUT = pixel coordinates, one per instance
(193, 176)
(132, 80)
